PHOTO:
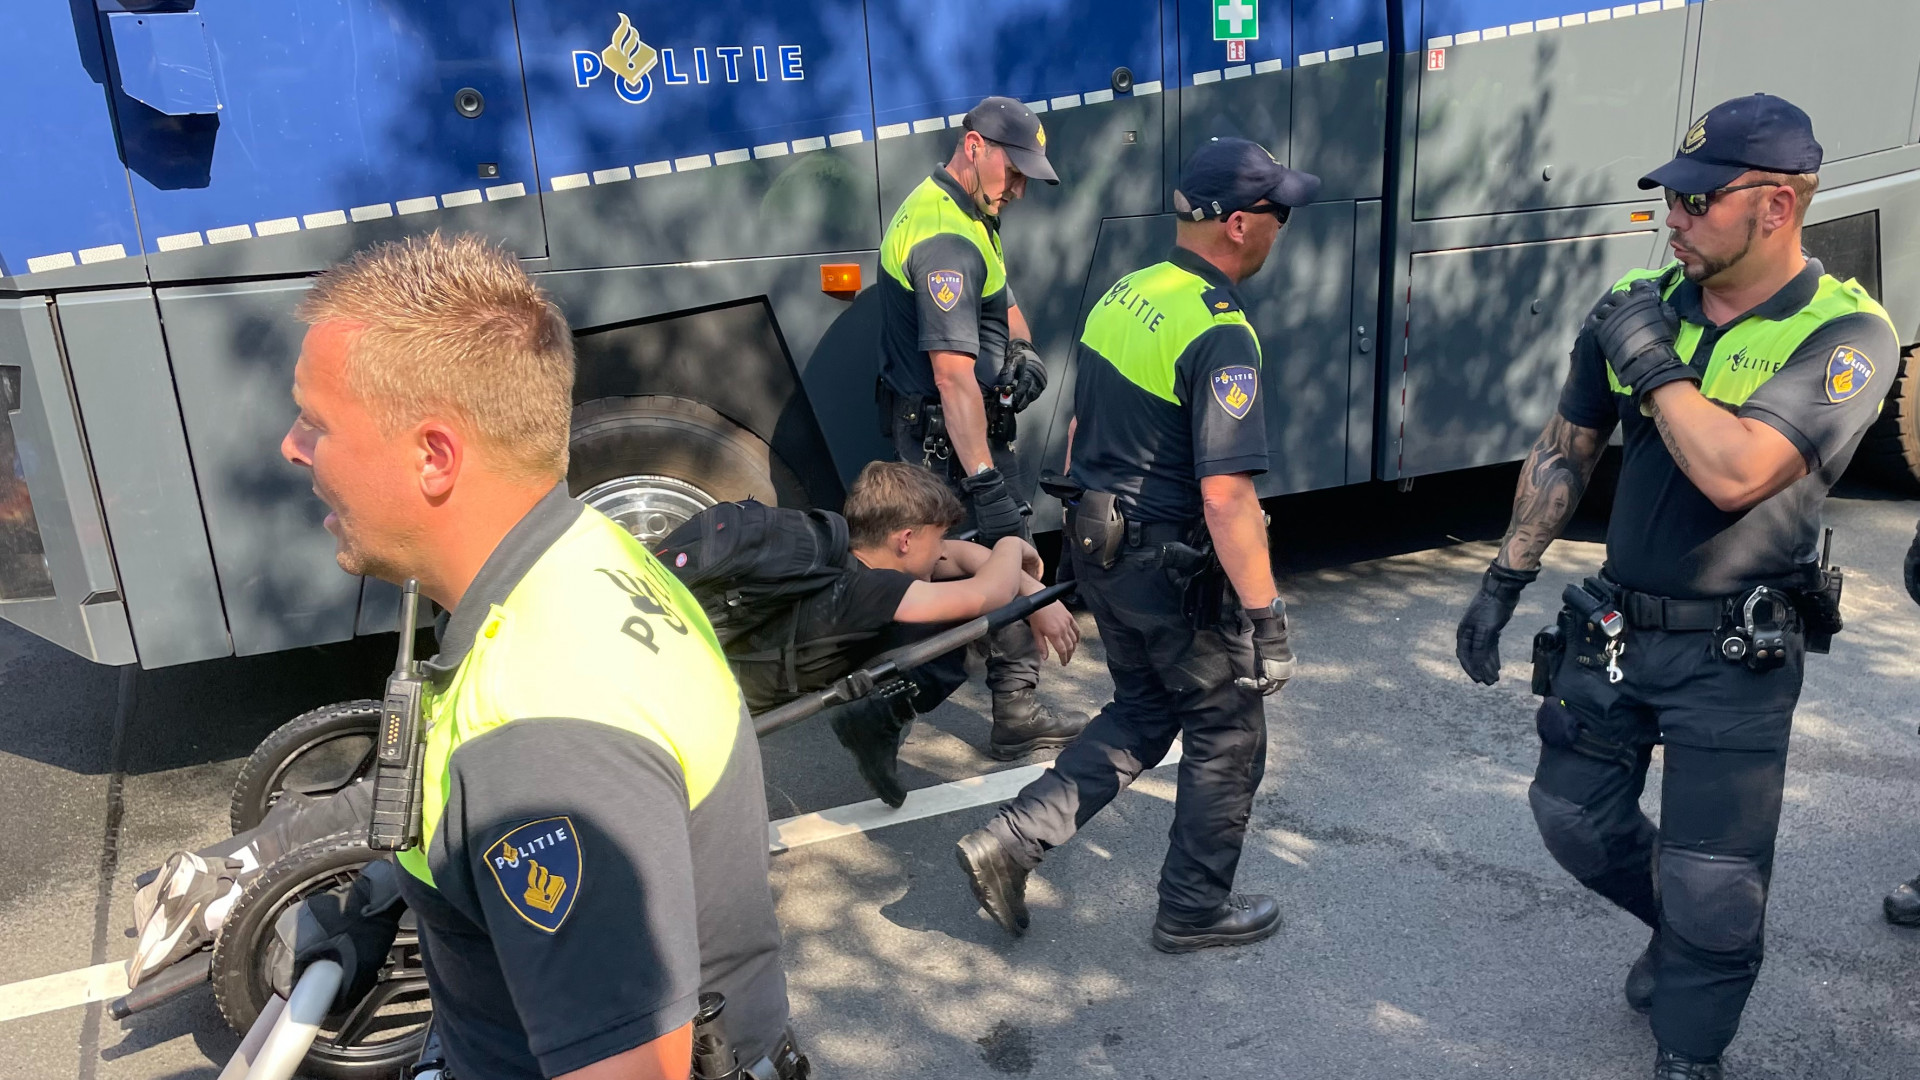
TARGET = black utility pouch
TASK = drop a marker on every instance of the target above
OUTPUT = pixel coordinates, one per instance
(1820, 610)
(1096, 528)
(1548, 644)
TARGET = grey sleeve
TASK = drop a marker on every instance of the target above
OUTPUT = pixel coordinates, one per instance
(1219, 376)
(1831, 388)
(947, 272)
(577, 843)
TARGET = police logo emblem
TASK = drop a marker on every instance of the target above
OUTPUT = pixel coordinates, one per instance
(1040, 134)
(537, 867)
(1235, 387)
(945, 286)
(1696, 137)
(1848, 372)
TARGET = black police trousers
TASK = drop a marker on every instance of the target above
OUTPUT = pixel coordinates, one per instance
(1700, 877)
(1169, 679)
(1013, 657)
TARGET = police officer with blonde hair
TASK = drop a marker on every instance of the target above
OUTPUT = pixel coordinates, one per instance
(594, 829)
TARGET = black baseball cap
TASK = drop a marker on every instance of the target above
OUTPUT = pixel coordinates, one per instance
(1227, 175)
(1011, 124)
(1759, 132)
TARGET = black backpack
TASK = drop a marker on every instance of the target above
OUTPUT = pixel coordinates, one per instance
(751, 567)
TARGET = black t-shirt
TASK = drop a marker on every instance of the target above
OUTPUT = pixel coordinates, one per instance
(1148, 434)
(857, 609)
(1667, 538)
(946, 308)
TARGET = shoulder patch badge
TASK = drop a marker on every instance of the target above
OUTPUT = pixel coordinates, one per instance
(1235, 387)
(1848, 371)
(537, 867)
(945, 286)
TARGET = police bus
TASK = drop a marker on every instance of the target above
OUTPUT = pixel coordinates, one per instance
(703, 188)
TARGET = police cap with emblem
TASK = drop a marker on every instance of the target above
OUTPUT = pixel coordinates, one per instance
(1228, 175)
(1758, 132)
(1006, 121)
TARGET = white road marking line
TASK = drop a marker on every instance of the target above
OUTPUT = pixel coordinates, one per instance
(104, 982)
(789, 833)
(50, 993)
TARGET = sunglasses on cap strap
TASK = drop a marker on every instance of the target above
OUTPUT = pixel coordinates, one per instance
(1698, 205)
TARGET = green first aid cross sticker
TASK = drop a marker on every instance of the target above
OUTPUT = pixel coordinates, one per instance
(1236, 20)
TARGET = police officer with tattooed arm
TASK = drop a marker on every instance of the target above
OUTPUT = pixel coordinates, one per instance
(1169, 437)
(1743, 378)
(957, 366)
(592, 859)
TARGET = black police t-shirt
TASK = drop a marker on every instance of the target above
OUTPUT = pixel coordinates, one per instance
(1152, 452)
(648, 926)
(1667, 538)
(945, 311)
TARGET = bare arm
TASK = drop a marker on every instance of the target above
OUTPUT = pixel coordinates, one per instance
(669, 1057)
(1551, 484)
(1239, 531)
(1017, 324)
(1736, 462)
(964, 408)
(997, 581)
(1073, 425)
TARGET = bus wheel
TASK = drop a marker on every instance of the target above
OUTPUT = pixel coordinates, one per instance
(1891, 449)
(652, 462)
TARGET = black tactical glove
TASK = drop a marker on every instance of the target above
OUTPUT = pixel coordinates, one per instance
(995, 510)
(1635, 330)
(1029, 373)
(1913, 568)
(1477, 640)
(1272, 656)
(353, 925)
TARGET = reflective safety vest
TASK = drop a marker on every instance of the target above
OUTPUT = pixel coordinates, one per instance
(1752, 350)
(597, 630)
(927, 212)
(1148, 318)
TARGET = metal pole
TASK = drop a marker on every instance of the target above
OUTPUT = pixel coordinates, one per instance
(286, 1045)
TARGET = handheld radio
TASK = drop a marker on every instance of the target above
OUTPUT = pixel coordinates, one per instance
(396, 769)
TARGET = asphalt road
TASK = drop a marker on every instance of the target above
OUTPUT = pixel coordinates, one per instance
(1427, 932)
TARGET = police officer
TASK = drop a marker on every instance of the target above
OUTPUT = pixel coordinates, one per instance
(957, 364)
(1170, 436)
(1743, 378)
(594, 852)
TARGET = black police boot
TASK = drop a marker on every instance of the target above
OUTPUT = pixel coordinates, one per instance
(999, 883)
(1021, 725)
(1639, 988)
(1672, 1066)
(1242, 920)
(873, 729)
(1902, 905)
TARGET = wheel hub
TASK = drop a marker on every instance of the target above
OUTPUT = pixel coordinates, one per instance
(647, 506)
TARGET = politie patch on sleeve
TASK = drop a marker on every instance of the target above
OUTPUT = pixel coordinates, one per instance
(1848, 371)
(945, 286)
(1234, 387)
(537, 867)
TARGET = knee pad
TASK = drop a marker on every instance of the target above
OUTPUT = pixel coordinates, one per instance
(1572, 838)
(1716, 903)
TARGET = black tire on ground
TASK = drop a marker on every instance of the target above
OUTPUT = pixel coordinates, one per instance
(659, 435)
(373, 1041)
(1890, 453)
(316, 753)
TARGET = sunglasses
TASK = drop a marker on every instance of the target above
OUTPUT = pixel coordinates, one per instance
(1698, 205)
(1280, 211)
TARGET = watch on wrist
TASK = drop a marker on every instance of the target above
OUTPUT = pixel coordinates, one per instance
(1275, 610)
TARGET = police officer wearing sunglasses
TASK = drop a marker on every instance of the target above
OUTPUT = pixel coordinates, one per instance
(1743, 378)
(1170, 434)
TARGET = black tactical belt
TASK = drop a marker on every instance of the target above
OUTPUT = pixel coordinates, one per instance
(1149, 533)
(1645, 611)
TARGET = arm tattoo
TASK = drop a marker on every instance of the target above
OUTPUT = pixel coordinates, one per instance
(1551, 484)
(1666, 436)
